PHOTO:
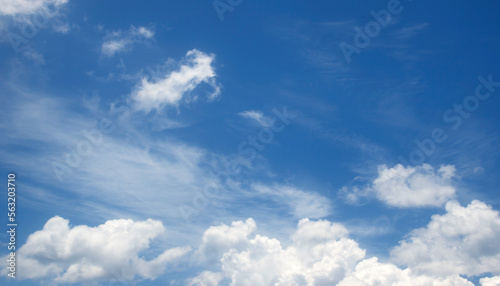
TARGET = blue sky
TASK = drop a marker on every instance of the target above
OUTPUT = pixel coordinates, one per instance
(252, 142)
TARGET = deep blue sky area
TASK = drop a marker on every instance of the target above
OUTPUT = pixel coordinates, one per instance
(242, 142)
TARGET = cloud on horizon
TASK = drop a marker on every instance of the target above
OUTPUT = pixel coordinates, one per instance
(108, 252)
(459, 243)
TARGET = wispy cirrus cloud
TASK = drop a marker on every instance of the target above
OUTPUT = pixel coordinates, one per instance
(40, 119)
(301, 203)
(172, 173)
(36, 57)
(316, 43)
(29, 17)
(122, 41)
(409, 31)
(258, 117)
(27, 7)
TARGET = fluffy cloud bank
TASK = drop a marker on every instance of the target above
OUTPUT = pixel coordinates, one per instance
(420, 186)
(320, 254)
(107, 252)
(460, 242)
(173, 87)
(370, 272)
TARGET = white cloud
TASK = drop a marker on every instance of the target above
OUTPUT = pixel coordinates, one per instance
(30, 14)
(171, 172)
(301, 203)
(258, 117)
(36, 57)
(27, 7)
(464, 240)
(218, 239)
(371, 227)
(490, 281)
(107, 252)
(410, 31)
(320, 253)
(111, 47)
(175, 86)
(206, 278)
(370, 272)
(174, 175)
(62, 28)
(119, 41)
(317, 253)
(400, 186)
(146, 33)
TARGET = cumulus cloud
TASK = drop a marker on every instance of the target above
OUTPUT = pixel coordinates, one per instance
(175, 86)
(206, 278)
(258, 117)
(107, 252)
(464, 240)
(370, 272)
(490, 281)
(459, 243)
(320, 253)
(218, 239)
(27, 7)
(420, 186)
(120, 41)
(302, 204)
